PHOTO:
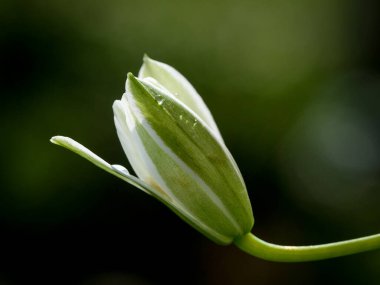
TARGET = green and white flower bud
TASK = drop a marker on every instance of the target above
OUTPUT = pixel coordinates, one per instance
(175, 148)
(179, 156)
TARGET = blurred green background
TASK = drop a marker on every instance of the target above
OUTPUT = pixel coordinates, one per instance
(293, 85)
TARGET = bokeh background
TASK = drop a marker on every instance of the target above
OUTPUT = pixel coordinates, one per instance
(293, 85)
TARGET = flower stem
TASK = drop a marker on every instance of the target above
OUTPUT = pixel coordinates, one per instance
(273, 252)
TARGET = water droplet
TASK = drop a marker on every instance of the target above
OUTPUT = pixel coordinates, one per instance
(120, 169)
(195, 123)
(160, 101)
(180, 117)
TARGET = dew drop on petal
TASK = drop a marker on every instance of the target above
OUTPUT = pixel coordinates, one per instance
(160, 101)
(120, 168)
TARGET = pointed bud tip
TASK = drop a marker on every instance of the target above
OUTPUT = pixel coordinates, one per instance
(130, 76)
(131, 82)
(131, 79)
(146, 57)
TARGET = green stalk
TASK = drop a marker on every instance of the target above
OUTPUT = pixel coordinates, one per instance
(273, 252)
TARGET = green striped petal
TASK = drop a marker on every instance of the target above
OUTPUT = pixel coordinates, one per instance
(182, 89)
(190, 164)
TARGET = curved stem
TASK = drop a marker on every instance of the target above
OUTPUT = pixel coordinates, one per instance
(273, 252)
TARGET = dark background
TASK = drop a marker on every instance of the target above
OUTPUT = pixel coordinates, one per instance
(293, 85)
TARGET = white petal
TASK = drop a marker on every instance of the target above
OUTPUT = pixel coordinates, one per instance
(133, 147)
(124, 123)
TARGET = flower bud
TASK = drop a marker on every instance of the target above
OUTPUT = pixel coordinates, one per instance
(179, 156)
(176, 150)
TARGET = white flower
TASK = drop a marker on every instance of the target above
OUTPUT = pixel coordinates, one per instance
(177, 153)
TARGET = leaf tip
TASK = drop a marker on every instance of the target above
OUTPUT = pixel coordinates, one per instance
(56, 139)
